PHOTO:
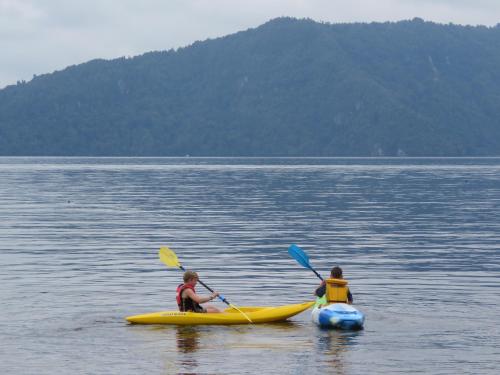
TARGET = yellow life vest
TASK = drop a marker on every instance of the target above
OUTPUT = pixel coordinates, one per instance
(336, 290)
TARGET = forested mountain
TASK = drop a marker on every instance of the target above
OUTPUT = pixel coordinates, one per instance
(287, 88)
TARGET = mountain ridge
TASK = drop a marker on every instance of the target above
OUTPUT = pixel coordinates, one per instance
(286, 88)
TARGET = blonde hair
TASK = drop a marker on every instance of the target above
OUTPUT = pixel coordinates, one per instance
(188, 275)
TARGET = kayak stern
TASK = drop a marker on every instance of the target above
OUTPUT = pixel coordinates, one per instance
(339, 316)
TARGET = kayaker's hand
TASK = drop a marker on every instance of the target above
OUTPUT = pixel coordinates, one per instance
(214, 295)
(317, 293)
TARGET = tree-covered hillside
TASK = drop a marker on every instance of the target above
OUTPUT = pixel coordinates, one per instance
(288, 87)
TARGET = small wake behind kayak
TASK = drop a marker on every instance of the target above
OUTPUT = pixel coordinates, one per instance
(337, 315)
(258, 314)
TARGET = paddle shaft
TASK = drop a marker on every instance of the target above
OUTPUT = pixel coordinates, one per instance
(317, 274)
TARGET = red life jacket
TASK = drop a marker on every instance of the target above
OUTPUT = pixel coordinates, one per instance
(186, 304)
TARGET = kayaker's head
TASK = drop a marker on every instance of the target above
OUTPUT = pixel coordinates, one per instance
(190, 277)
(336, 273)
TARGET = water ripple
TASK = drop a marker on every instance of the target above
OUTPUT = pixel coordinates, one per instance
(417, 238)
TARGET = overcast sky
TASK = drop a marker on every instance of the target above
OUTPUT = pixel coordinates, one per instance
(40, 36)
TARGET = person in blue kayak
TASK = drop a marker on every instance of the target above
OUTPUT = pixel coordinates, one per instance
(188, 300)
(335, 288)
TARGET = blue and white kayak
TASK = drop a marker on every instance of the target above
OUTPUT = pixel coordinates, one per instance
(337, 315)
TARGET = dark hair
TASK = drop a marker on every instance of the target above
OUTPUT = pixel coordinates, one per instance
(336, 272)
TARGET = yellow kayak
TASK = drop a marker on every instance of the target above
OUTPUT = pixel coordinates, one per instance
(258, 314)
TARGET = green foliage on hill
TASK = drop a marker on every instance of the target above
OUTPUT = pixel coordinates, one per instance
(287, 88)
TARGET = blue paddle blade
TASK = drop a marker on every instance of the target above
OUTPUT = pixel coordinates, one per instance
(299, 255)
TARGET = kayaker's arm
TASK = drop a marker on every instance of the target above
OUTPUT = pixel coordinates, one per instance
(199, 299)
(321, 290)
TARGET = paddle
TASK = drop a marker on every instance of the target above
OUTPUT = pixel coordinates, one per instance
(300, 256)
(169, 258)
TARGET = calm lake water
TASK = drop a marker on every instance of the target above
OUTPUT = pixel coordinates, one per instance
(418, 239)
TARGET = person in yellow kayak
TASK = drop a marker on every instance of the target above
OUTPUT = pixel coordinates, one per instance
(335, 287)
(188, 300)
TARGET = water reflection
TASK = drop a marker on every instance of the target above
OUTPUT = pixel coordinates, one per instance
(188, 339)
(188, 343)
(333, 346)
(281, 327)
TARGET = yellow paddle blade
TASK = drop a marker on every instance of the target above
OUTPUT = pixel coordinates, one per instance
(245, 315)
(168, 257)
